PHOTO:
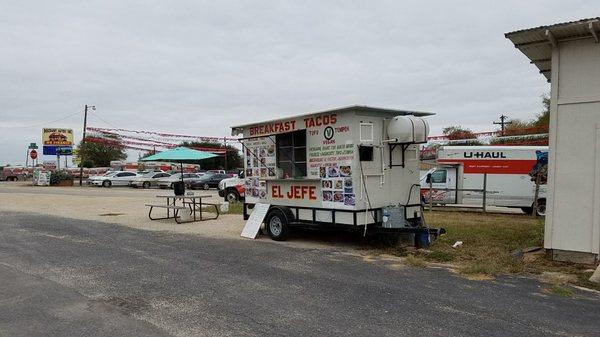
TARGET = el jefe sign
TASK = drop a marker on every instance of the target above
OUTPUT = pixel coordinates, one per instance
(294, 192)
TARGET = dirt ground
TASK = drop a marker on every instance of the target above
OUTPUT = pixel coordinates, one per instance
(125, 206)
(121, 205)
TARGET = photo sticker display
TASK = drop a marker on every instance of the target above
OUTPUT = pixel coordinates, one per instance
(260, 163)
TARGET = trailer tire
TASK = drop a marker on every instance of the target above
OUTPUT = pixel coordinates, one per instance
(277, 225)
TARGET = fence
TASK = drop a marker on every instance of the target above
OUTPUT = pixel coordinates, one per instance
(430, 202)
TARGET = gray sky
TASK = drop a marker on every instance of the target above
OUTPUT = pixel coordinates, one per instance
(198, 67)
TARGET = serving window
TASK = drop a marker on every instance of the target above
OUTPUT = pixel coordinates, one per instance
(291, 153)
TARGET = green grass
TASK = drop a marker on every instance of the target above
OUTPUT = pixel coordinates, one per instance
(560, 291)
(415, 261)
(487, 240)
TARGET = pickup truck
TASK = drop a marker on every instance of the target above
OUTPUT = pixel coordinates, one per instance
(232, 189)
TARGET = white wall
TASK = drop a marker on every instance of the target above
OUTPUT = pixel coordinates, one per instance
(572, 220)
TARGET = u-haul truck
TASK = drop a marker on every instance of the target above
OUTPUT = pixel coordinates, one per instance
(509, 176)
(354, 167)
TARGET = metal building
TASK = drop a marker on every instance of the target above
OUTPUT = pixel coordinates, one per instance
(568, 55)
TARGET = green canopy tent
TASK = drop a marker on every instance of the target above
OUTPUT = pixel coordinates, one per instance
(180, 155)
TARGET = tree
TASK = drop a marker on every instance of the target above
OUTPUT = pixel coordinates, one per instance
(543, 118)
(457, 132)
(528, 128)
(232, 155)
(95, 153)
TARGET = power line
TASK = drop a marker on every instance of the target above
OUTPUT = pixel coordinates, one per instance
(41, 124)
(95, 114)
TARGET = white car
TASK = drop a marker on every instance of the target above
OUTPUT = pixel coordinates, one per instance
(149, 179)
(168, 182)
(113, 178)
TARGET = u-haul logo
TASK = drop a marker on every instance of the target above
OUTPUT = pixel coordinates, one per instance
(484, 154)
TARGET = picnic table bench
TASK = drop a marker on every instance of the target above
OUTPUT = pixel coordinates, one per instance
(193, 203)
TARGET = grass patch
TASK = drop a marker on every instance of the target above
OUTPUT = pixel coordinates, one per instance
(560, 291)
(415, 261)
(488, 240)
(236, 208)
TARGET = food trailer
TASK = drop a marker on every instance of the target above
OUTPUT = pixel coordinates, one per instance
(355, 167)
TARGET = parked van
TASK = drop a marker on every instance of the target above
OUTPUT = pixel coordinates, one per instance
(509, 176)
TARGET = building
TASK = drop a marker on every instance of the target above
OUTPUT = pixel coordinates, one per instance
(568, 55)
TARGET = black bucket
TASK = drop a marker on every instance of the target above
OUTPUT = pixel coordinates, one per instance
(179, 188)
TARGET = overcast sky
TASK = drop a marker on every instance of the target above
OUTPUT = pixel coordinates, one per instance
(198, 67)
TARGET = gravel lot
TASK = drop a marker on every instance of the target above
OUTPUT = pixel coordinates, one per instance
(122, 205)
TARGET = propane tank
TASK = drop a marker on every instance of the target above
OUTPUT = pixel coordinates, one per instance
(408, 129)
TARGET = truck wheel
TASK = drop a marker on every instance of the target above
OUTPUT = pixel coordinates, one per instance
(146, 184)
(277, 226)
(106, 183)
(232, 196)
(541, 207)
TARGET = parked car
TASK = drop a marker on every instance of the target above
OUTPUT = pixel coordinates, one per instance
(113, 178)
(207, 181)
(168, 182)
(217, 171)
(149, 179)
(232, 189)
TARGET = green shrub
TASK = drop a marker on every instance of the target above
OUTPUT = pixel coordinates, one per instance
(57, 176)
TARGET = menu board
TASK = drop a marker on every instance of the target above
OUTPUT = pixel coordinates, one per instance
(334, 166)
(260, 164)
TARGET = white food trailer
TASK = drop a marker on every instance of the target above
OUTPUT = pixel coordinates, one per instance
(509, 172)
(355, 167)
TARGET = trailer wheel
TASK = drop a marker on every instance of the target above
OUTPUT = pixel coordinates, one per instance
(277, 226)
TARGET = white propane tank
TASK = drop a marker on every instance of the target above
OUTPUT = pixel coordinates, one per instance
(408, 129)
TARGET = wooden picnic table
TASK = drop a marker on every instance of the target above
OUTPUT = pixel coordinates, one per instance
(192, 202)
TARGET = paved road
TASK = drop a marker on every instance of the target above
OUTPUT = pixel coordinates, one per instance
(62, 277)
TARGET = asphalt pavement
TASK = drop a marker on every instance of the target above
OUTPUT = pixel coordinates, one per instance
(64, 277)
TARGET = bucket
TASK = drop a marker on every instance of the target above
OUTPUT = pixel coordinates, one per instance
(422, 239)
(178, 188)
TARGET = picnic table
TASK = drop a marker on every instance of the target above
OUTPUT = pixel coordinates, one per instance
(193, 203)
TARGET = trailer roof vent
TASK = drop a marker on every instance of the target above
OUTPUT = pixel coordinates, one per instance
(407, 130)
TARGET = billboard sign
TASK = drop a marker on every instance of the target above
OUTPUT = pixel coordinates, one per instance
(57, 141)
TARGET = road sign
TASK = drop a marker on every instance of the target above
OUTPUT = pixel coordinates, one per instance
(33, 154)
(33, 146)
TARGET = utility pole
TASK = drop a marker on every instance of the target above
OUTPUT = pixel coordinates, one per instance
(503, 122)
(80, 154)
(225, 144)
